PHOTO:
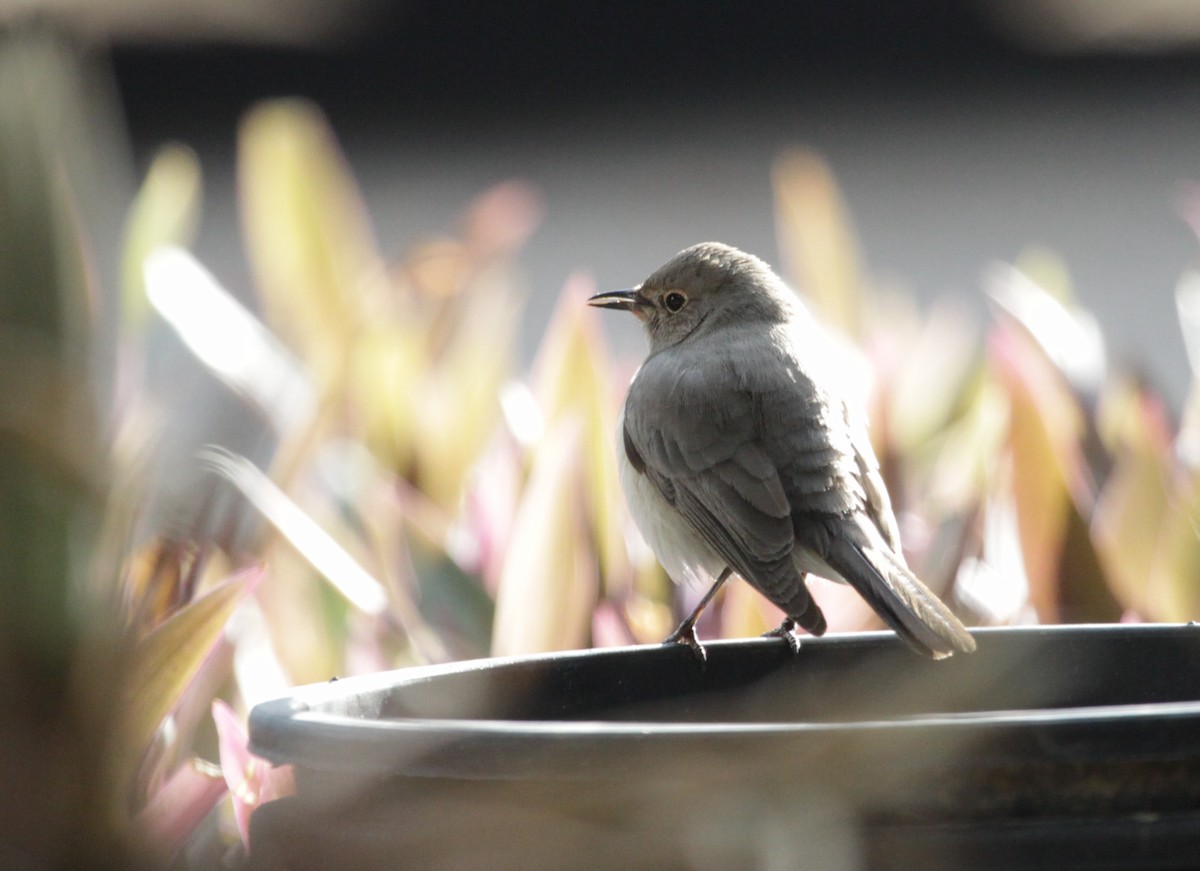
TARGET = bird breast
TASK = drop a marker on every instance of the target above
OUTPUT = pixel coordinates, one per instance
(684, 555)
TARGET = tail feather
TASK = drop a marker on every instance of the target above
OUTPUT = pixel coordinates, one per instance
(910, 608)
(806, 613)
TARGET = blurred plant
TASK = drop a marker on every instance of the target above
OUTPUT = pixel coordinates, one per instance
(1032, 483)
(91, 675)
(51, 466)
(486, 504)
(423, 500)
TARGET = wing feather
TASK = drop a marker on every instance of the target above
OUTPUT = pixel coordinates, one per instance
(703, 451)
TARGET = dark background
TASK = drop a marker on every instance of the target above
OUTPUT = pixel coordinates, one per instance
(958, 137)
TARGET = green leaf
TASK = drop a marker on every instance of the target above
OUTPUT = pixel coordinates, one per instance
(164, 664)
(450, 600)
(457, 408)
(53, 136)
(572, 378)
(1174, 583)
(816, 241)
(165, 212)
(307, 232)
(548, 587)
(1085, 593)
(1130, 512)
(932, 375)
(1044, 429)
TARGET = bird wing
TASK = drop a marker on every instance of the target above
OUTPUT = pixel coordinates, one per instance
(842, 515)
(694, 434)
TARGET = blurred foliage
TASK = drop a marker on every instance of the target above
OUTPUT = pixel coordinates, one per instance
(54, 721)
(425, 500)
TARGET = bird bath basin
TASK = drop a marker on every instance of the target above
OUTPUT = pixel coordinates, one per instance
(1046, 746)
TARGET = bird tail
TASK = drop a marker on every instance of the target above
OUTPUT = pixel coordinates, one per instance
(897, 595)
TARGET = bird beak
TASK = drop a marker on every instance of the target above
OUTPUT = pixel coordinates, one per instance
(623, 300)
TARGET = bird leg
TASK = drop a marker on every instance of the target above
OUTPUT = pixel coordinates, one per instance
(686, 632)
(786, 631)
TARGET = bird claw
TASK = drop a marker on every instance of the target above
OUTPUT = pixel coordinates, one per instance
(786, 631)
(686, 635)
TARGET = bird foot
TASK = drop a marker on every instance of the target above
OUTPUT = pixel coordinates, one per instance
(686, 635)
(786, 631)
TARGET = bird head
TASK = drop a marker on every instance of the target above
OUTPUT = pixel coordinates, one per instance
(701, 287)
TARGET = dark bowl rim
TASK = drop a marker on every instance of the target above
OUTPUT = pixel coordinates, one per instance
(289, 729)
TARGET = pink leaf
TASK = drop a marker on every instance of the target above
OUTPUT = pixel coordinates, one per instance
(251, 780)
(178, 806)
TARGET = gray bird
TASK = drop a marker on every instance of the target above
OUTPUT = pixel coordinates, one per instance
(740, 454)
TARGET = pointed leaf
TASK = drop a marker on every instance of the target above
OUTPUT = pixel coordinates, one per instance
(501, 220)
(1044, 429)
(936, 367)
(175, 811)
(1069, 336)
(995, 585)
(816, 241)
(1128, 521)
(154, 582)
(1085, 593)
(1187, 302)
(251, 781)
(1187, 442)
(490, 505)
(458, 397)
(548, 587)
(164, 664)
(165, 212)
(437, 269)
(970, 450)
(312, 542)
(1187, 305)
(237, 765)
(1174, 583)
(451, 601)
(389, 365)
(235, 346)
(572, 377)
(309, 239)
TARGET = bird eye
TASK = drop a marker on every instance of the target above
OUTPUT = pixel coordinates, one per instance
(674, 301)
